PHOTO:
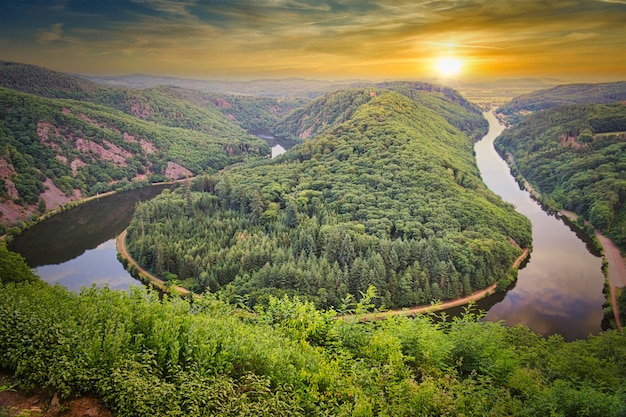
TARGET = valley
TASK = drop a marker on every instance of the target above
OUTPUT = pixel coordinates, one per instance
(385, 202)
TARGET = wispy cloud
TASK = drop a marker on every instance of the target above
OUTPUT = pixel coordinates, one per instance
(460, 45)
(53, 33)
(169, 7)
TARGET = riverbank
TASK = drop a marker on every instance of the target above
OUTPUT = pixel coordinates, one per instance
(433, 308)
(616, 271)
(142, 274)
(70, 204)
(616, 266)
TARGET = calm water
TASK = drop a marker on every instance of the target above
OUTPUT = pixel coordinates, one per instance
(77, 247)
(560, 288)
(279, 145)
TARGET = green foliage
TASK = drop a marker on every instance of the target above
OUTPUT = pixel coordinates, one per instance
(390, 198)
(144, 356)
(585, 176)
(13, 268)
(338, 107)
(621, 302)
(299, 319)
(253, 113)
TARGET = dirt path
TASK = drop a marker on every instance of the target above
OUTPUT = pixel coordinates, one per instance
(617, 272)
(617, 263)
(144, 274)
(448, 304)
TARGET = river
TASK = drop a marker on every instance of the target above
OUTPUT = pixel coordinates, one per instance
(558, 291)
(560, 288)
(76, 248)
(279, 145)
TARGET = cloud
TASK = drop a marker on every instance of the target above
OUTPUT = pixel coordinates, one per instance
(54, 33)
(384, 36)
(168, 7)
(59, 5)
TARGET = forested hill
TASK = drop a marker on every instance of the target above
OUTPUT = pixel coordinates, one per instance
(166, 105)
(603, 93)
(337, 107)
(59, 149)
(64, 137)
(576, 156)
(390, 197)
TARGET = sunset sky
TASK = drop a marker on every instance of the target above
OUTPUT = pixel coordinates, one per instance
(579, 40)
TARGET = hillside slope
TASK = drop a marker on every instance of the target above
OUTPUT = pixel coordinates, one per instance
(161, 104)
(602, 93)
(390, 197)
(575, 155)
(59, 149)
(337, 107)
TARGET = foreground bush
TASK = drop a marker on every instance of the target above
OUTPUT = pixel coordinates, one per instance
(144, 357)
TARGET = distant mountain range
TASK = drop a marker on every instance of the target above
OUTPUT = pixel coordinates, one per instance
(286, 87)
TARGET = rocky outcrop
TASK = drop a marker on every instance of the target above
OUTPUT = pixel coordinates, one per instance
(176, 171)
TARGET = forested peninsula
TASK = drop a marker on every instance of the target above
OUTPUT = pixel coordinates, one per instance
(387, 195)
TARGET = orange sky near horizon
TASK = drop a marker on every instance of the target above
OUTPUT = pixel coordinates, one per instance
(581, 40)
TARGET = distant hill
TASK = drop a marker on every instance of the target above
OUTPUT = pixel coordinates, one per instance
(339, 106)
(168, 105)
(497, 92)
(63, 137)
(603, 93)
(286, 87)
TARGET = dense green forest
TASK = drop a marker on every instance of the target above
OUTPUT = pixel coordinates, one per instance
(576, 157)
(601, 93)
(331, 110)
(391, 197)
(145, 356)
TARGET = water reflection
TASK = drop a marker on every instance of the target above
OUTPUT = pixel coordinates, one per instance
(76, 248)
(97, 266)
(67, 235)
(560, 289)
(279, 145)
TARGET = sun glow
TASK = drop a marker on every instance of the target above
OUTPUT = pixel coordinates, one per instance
(449, 67)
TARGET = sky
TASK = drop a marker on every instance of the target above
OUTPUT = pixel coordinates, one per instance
(571, 40)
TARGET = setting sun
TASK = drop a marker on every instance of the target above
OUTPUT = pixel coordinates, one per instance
(448, 67)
